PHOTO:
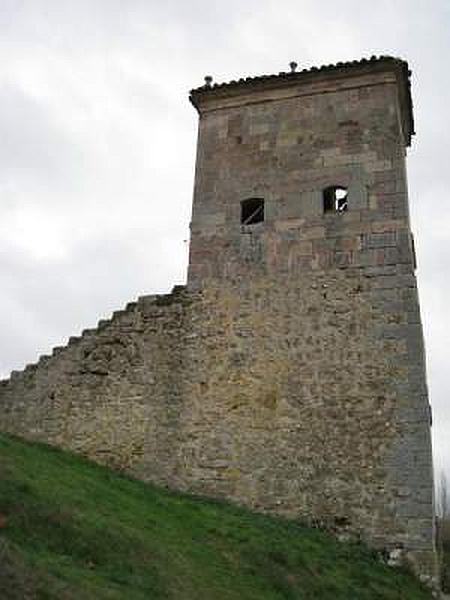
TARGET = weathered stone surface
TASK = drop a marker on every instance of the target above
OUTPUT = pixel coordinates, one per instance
(289, 375)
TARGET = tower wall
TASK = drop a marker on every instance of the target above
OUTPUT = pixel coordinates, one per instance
(286, 144)
(328, 331)
(289, 376)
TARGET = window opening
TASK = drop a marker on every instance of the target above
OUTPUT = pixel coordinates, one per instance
(335, 199)
(252, 211)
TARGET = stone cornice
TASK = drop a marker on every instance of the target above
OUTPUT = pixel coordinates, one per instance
(341, 75)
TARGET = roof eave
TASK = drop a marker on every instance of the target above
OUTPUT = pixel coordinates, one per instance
(200, 97)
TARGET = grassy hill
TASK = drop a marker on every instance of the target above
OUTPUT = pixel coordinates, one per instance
(72, 530)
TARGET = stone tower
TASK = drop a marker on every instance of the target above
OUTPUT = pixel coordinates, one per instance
(289, 375)
(300, 227)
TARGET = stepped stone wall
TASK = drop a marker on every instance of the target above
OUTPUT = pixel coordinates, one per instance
(97, 394)
(289, 375)
(293, 397)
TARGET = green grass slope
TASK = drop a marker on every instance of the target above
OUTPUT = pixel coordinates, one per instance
(70, 529)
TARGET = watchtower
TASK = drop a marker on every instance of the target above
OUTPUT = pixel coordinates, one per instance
(289, 376)
(301, 233)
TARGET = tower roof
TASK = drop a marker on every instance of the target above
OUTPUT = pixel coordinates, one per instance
(201, 97)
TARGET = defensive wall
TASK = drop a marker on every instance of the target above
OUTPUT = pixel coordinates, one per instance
(289, 374)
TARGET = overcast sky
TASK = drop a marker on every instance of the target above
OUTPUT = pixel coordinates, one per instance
(97, 147)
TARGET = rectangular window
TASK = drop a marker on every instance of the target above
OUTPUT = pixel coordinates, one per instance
(252, 211)
(335, 199)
